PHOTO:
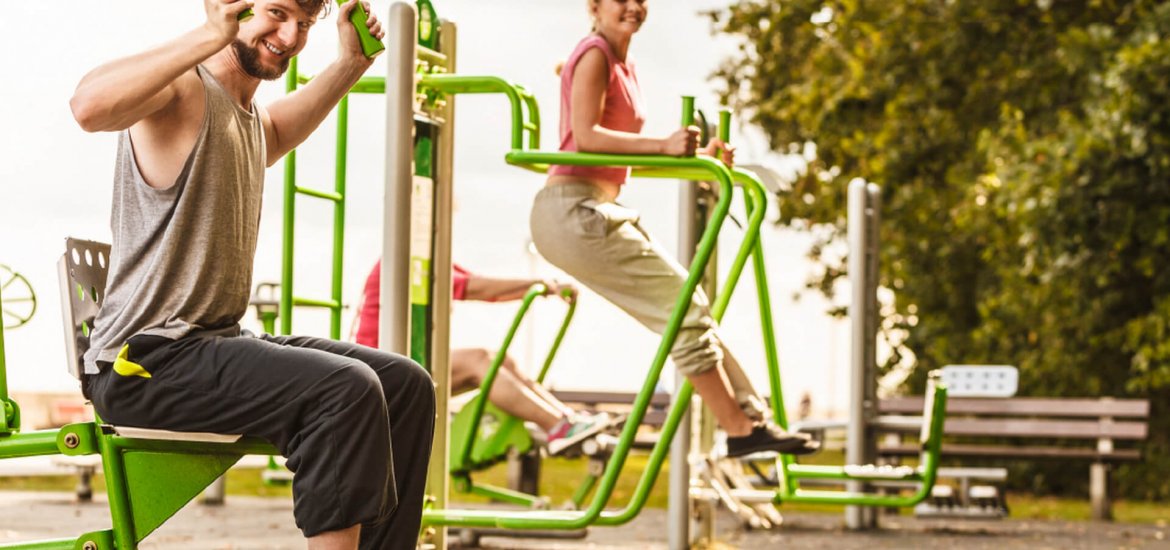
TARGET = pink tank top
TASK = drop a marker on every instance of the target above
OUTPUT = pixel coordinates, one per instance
(623, 109)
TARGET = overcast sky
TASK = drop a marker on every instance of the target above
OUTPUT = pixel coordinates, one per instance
(55, 180)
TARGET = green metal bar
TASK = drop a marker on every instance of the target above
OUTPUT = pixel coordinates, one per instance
(5, 416)
(3, 364)
(339, 214)
(117, 492)
(577, 520)
(505, 495)
(334, 197)
(39, 443)
(245, 446)
(55, 544)
(583, 491)
(839, 473)
(289, 228)
(460, 84)
(755, 200)
(772, 358)
(308, 302)
(556, 345)
(485, 386)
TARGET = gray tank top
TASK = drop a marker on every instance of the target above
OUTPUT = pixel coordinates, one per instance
(181, 263)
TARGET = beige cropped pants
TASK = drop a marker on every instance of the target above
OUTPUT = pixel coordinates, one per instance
(601, 244)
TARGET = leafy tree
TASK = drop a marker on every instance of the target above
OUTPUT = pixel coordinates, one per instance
(1023, 148)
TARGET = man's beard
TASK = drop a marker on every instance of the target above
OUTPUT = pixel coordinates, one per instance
(250, 62)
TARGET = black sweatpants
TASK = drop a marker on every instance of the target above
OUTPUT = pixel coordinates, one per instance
(355, 423)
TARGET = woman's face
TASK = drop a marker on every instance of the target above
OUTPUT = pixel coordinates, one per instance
(623, 17)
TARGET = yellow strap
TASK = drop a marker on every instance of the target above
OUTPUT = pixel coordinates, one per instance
(126, 367)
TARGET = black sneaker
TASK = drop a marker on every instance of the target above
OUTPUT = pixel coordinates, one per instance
(769, 437)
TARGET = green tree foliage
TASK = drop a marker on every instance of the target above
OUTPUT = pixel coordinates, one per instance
(1023, 148)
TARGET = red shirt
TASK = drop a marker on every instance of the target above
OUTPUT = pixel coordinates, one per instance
(367, 330)
(623, 110)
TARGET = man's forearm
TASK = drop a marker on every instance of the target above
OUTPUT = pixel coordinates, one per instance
(298, 114)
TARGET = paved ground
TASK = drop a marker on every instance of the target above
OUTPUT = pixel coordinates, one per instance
(260, 523)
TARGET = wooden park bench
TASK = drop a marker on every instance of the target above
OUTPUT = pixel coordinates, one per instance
(1102, 431)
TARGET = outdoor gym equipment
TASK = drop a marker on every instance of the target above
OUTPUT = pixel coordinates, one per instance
(482, 434)
(397, 269)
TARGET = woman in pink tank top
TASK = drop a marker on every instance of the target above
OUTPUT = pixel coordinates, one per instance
(578, 225)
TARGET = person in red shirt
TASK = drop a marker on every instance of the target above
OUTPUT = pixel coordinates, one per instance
(513, 391)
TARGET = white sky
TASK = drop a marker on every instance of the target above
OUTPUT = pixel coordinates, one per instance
(55, 182)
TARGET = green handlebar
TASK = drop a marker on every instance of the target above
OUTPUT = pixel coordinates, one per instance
(725, 125)
(688, 110)
(245, 15)
(370, 45)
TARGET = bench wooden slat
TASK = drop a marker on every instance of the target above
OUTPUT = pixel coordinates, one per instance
(1035, 427)
(1025, 406)
(660, 399)
(980, 451)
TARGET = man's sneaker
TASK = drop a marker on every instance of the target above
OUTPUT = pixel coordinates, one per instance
(568, 433)
(769, 437)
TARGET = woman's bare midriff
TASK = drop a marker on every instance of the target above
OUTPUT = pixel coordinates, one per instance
(609, 188)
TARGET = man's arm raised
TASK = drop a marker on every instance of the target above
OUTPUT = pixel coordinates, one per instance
(291, 119)
(120, 93)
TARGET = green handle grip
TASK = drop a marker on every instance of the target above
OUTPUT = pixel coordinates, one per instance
(245, 15)
(370, 45)
(725, 125)
(688, 110)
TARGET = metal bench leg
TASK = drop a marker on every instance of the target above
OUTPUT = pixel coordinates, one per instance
(1099, 491)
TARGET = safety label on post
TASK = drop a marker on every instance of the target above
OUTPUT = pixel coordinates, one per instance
(421, 212)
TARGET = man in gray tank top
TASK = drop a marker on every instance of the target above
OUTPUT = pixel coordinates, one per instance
(166, 350)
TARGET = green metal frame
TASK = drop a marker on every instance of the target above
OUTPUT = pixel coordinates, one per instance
(471, 452)
(147, 480)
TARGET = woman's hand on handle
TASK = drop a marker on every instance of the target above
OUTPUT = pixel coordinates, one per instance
(564, 291)
(723, 151)
(223, 17)
(682, 143)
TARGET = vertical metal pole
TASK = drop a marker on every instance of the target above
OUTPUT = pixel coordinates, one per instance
(678, 518)
(339, 172)
(862, 265)
(290, 210)
(394, 316)
(438, 480)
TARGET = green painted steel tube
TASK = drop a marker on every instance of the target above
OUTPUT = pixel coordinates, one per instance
(575, 520)
(455, 84)
(38, 443)
(505, 495)
(117, 492)
(755, 200)
(339, 213)
(289, 229)
(772, 359)
(55, 544)
(485, 386)
(309, 302)
(326, 195)
(583, 490)
(518, 98)
(245, 446)
(556, 345)
(806, 471)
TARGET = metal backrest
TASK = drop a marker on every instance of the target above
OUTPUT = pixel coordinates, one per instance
(981, 380)
(82, 272)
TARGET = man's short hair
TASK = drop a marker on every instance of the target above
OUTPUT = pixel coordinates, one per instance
(319, 8)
